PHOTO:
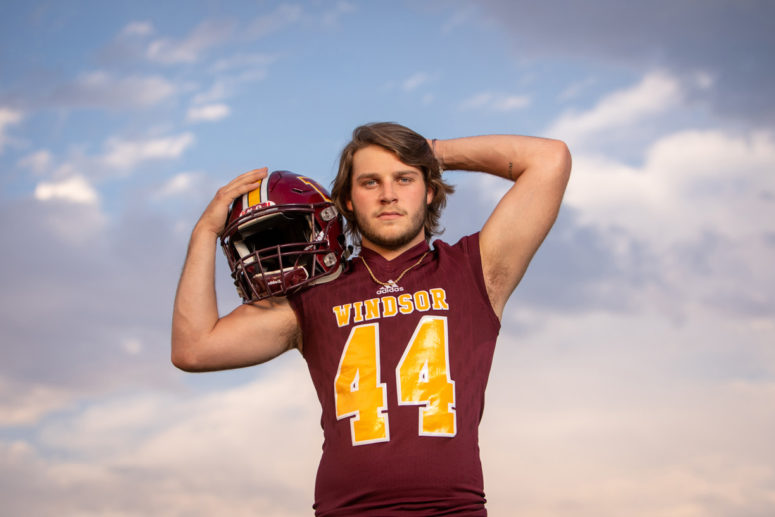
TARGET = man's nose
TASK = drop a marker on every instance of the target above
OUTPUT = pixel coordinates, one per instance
(387, 193)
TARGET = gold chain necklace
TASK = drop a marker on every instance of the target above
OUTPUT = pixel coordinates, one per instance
(392, 282)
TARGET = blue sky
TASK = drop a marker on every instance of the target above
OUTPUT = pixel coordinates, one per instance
(635, 371)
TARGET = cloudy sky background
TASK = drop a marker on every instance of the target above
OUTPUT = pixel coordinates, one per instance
(635, 373)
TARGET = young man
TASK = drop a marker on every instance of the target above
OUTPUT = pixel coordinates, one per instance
(399, 346)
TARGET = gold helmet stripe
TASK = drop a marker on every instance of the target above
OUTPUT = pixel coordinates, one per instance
(259, 194)
(314, 185)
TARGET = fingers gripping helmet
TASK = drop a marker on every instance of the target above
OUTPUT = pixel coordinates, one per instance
(282, 236)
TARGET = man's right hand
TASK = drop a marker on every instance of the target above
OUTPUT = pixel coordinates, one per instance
(213, 219)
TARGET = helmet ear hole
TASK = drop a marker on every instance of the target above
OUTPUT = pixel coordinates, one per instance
(283, 236)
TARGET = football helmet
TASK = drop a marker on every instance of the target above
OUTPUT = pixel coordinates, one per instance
(282, 236)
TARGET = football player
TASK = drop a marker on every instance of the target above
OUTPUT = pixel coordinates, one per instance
(399, 338)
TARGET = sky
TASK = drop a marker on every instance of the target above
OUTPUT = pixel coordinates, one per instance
(635, 370)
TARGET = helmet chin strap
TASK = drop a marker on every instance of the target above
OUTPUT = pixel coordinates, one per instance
(330, 277)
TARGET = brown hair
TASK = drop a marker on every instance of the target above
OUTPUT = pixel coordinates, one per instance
(412, 149)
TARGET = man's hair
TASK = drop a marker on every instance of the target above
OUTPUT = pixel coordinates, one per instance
(412, 149)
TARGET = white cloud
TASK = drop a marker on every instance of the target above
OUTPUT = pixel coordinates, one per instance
(247, 450)
(459, 18)
(242, 62)
(24, 404)
(479, 100)
(8, 117)
(125, 154)
(138, 28)
(232, 73)
(415, 81)
(177, 185)
(575, 88)
(734, 44)
(100, 88)
(188, 50)
(495, 102)
(656, 93)
(38, 162)
(283, 16)
(691, 181)
(75, 189)
(66, 214)
(700, 212)
(704, 80)
(208, 113)
(332, 16)
(588, 417)
(511, 102)
(132, 346)
(221, 89)
(70, 178)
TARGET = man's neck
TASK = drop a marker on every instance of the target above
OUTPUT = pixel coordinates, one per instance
(391, 253)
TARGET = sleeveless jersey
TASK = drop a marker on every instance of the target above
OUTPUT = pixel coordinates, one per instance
(400, 372)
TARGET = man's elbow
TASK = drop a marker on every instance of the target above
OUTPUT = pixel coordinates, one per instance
(561, 160)
(184, 358)
(181, 361)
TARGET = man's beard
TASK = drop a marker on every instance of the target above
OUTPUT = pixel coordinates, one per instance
(417, 223)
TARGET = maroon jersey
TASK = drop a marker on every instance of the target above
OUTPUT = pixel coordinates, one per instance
(400, 371)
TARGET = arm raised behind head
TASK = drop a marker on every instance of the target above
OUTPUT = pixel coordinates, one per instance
(540, 169)
(250, 334)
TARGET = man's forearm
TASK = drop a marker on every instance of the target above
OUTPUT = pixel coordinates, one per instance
(507, 156)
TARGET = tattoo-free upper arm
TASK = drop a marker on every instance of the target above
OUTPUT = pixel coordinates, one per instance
(251, 334)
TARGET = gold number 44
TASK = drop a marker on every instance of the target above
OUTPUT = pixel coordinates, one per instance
(422, 379)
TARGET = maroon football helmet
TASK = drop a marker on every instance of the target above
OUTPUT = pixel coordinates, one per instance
(282, 236)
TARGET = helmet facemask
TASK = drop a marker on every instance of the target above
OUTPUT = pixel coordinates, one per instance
(270, 253)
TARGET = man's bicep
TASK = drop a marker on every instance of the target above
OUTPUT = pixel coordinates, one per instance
(251, 334)
(268, 327)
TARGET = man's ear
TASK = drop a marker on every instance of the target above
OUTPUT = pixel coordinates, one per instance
(429, 195)
(349, 205)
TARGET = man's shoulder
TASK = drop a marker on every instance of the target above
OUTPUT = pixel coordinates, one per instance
(465, 245)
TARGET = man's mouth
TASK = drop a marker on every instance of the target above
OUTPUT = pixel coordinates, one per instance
(387, 215)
